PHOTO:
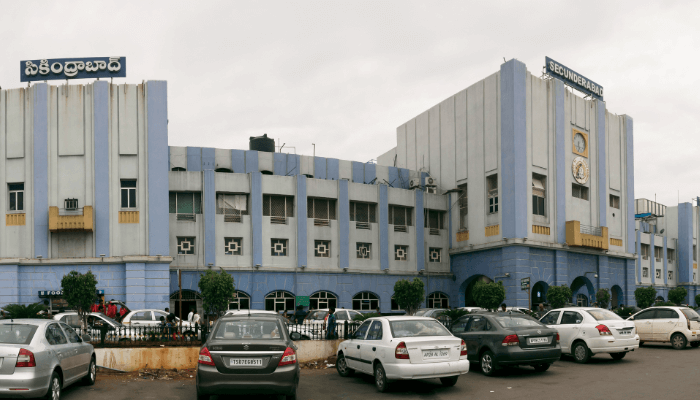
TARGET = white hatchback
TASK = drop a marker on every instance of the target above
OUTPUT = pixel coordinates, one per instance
(586, 331)
(678, 325)
(401, 348)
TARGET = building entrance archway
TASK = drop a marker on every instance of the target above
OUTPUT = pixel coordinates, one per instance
(539, 294)
(468, 285)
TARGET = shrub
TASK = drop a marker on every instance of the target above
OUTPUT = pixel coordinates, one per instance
(677, 295)
(645, 296)
(489, 295)
(663, 303)
(697, 300)
(18, 311)
(558, 296)
(454, 314)
(217, 291)
(624, 312)
(409, 295)
(602, 297)
(80, 292)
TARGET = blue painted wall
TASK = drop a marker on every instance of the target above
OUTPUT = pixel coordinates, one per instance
(256, 215)
(158, 184)
(560, 142)
(209, 217)
(383, 227)
(358, 172)
(343, 224)
(251, 161)
(394, 177)
(194, 158)
(685, 242)
(404, 178)
(630, 183)
(332, 169)
(602, 176)
(319, 168)
(420, 231)
(370, 172)
(301, 220)
(665, 271)
(41, 169)
(208, 158)
(101, 174)
(280, 164)
(238, 161)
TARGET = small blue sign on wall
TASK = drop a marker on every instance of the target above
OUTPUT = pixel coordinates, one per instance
(573, 78)
(72, 68)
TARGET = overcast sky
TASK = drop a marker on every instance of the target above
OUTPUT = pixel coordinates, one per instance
(344, 75)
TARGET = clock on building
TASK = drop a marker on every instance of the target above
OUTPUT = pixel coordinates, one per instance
(580, 143)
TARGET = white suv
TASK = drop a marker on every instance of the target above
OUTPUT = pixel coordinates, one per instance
(678, 325)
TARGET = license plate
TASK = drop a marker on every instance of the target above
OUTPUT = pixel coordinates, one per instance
(625, 332)
(538, 340)
(436, 353)
(245, 362)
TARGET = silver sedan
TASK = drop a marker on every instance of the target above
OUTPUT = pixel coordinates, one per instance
(39, 357)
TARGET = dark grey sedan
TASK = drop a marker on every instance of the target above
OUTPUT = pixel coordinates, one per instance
(507, 338)
(248, 354)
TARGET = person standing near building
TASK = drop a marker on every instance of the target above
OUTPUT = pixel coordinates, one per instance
(330, 334)
(503, 307)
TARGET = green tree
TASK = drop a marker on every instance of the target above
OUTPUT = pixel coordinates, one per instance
(18, 311)
(217, 291)
(79, 292)
(602, 297)
(677, 295)
(489, 295)
(697, 300)
(558, 296)
(409, 295)
(645, 296)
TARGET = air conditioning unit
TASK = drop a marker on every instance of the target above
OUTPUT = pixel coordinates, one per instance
(431, 181)
(414, 183)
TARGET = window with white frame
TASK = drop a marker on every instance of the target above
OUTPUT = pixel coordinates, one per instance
(395, 305)
(614, 201)
(322, 248)
(435, 254)
(438, 300)
(400, 252)
(185, 245)
(278, 247)
(670, 275)
(232, 206)
(578, 191)
(695, 253)
(16, 200)
(185, 205)
(463, 207)
(128, 192)
(364, 250)
(492, 193)
(233, 246)
(279, 301)
(645, 272)
(538, 194)
(240, 301)
(321, 300)
(365, 301)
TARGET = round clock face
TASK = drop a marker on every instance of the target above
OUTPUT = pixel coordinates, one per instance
(580, 170)
(579, 143)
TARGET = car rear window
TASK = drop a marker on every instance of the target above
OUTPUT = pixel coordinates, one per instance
(16, 333)
(248, 329)
(516, 321)
(321, 315)
(690, 314)
(420, 313)
(603, 315)
(415, 328)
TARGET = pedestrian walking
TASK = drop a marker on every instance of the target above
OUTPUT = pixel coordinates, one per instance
(330, 334)
(299, 315)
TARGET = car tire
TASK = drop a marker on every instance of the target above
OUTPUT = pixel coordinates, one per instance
(581, 353)
(380, 380)
(449, 381)
(201, 396)
(54, 390)
(91, 377)
(618, 356)
(678, 341)
(487, 363)
(641, 343)
(341, 365)
(695, 344)
(542, 367)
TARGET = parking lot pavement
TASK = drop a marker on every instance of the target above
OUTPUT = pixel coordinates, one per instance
(652, 372)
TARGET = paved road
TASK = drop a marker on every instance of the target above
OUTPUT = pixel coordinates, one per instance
(652, 372)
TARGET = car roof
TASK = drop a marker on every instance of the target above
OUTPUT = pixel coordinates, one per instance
(30, 321)
(266, 316)
(246, 312)
(401, 318)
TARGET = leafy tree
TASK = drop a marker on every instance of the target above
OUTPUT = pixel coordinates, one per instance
(558, 296)
(217, 290)
(697, 300)
(362, 317)
(663, 303)
(79, 292)
(645, 296)
(625, 312)
(18, 311)
(409, 295)
(677, 295)
(489, 295)
(602, 297)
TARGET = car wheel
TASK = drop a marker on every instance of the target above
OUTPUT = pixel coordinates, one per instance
(541, 367)
(678, 341)
(581, 353)
(618, 356)
(641, 343)
(695, 344)
(201, 396)
(54, 392)
(341, 365)
(380, 379)
(92, 373)
(488, 364)
(449, 381)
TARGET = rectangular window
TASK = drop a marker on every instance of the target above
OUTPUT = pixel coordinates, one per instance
(233, 246)
(400, 217)
(614, 201)
(185, 245)
(645, 272)
(16, 191)
(435, 254)
(463, 207)
(671, 255)
(322, 248)
(128, 192)
(364, 250)
(363, 214)
(658, 274)
(278, 206)
(695, 253)
(232, 206)
(185, 205)
(538, 194)
(670, 275)
(395, 305)
(278, 247)
(400, 252)
(646, 249)
(322, 211)
(578, 191)
(492, 191)
(433, 220)
(658, 253)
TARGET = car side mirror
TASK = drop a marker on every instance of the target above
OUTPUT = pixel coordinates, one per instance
(295, 336)
(85, 338)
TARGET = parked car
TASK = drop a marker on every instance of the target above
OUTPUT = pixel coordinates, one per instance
(586, 331)
(472, 309)
(507, 338)
(41, 357)
(151, 317)
(678, 325)
(523, 310)
(315, 324)
(94, 322)
(248, 354)
(402, 348)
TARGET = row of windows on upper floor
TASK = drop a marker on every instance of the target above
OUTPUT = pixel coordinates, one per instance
(233, 246)
(15, 192)
(659, 253)
(645, 274)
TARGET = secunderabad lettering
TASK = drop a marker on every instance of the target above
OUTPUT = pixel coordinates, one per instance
(579, 81)
(71, 68)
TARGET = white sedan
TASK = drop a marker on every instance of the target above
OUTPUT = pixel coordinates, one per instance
(402, 348)
(151, 318)
(586, 331)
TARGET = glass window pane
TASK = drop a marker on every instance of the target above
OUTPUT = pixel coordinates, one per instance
(197, 203)
(184, 203)
(132, 197)
(125, 200)
(13, 202)
(20, 200)
(128, 183)
(172, 203)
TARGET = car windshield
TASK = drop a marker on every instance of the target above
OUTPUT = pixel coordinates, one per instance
(16, 333)
(603, 315)
(111, 321)
(515, 321)
(414, 328)
(317, 315)
(420, 313)
(248, 329)
(690, 314)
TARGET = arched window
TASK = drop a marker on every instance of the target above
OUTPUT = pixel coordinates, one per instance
(365, 301)
(178, 169)
(279, 301)
(438, 300)
(241, 301)
(320, 300)
(395, 305)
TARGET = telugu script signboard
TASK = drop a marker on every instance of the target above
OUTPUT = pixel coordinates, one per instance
(573, 78)
(303, 301)
(72, 68)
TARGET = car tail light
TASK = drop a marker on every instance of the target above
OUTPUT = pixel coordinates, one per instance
(557, 337)
(289, 357)
(25, 358)
(603, 330)
(511, 340)
(205, 357)
(463, 349)
(401, 352)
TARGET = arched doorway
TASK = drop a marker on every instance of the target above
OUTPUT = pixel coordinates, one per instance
(539, 294)
(191, 300)
(615, 296)
(469, 285)
(582, 287)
